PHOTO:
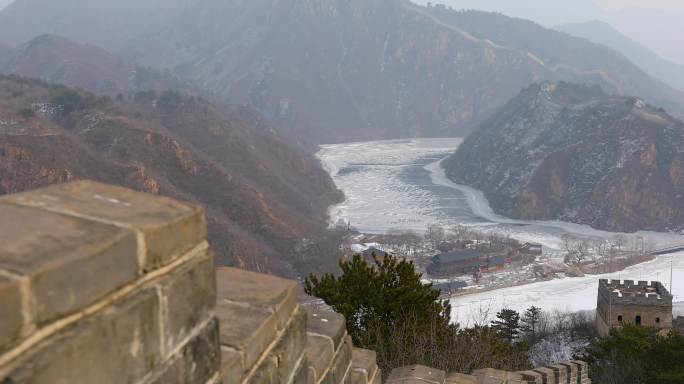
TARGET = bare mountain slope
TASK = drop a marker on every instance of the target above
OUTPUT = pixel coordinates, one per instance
(58, 60)
(570, 152)
(261, 198)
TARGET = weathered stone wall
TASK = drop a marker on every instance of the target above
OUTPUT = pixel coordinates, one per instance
(100, 284)
(267, 337)
(104, 285)
(572, 372)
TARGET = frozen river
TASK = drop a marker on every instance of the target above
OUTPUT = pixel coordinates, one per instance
(399, 184)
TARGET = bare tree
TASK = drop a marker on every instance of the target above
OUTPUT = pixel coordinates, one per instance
(434, 235)
(620, 241)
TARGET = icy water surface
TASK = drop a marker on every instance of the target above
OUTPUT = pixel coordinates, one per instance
(399, 184)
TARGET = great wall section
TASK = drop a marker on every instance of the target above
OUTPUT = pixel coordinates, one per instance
(100, 284)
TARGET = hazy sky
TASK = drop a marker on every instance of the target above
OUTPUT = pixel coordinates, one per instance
(657, 24)
(666, 5)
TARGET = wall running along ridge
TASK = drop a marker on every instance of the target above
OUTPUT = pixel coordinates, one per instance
(100, 284)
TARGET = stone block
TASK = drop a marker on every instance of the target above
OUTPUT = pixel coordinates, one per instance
(169, 227)
(289, 349)
(340, 370)
(364, 365)
(11, 313)
(418, 374)
(197, 362)
(69, 262)
(496, 376)
(260, 291)
(320, 353)
(560, 373)
(532, 377)
(327, 323)
(378, 377)
(460, 378)
(266, 373)
(548, 376)
(232, 369)
(571, 370)
(190, 295)
(582, 369)
(246, 329)
(119, 345)
(300, 376)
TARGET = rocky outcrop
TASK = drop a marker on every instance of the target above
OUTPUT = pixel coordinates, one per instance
(571, 152)
(261, 196)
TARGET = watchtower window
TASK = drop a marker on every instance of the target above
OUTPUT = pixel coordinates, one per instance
(657, 320)
(637, 321)
(620, 318)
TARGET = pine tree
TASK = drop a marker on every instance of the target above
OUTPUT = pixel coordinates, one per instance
(383, 293)
(634, 354)
(530, 320)
(389, 310)
(507, 324)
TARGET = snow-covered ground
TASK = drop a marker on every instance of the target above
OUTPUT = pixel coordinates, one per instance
(399, 184)
(568, 294)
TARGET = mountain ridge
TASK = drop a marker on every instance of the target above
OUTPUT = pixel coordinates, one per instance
(59, 60)
(603, 33)
(571, 152)
(331, 71)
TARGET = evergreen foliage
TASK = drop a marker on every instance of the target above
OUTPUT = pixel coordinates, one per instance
(635, 355)
(386, 293)
(507, 323)
(530, 323)
(389, 310)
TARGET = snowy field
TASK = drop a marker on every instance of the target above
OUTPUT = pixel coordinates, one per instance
(568, 294)
(399, 184)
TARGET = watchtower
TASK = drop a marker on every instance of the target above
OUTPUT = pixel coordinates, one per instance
(628, 303)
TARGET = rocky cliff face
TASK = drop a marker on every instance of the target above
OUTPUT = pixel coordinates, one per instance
(339, 70)
(571, 152)
(261, 197)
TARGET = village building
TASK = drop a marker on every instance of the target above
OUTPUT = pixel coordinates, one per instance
(450, 287)
(448, 246)
(371, 254)
(625, 302)
(531, 249)
(463, 262)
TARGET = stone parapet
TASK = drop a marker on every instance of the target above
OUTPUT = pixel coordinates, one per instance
(572, 372)
(101, 284)
(263, 328)
(364, 367)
